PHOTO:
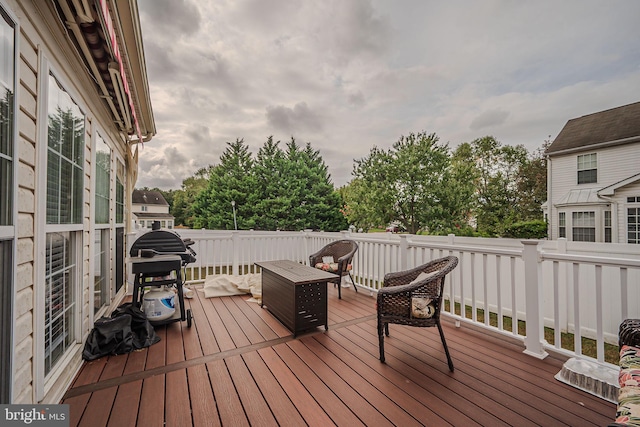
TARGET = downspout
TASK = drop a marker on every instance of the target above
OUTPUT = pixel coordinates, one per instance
(550, 204)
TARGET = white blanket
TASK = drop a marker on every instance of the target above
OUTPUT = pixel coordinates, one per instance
(226, 285)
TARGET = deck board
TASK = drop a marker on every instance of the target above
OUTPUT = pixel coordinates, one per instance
(238, 365)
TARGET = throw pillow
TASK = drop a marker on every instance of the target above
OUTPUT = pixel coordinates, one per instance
(423, 276)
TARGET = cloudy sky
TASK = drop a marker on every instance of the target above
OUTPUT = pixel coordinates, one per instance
(348, 75)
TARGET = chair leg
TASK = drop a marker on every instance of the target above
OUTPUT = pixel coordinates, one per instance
(444, 343)
(381, 340)
(353, 282)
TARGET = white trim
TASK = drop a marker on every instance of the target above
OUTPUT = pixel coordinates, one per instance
(611, 189)
(11, 231)
(39, 262)
(596, 146)
(43, 384)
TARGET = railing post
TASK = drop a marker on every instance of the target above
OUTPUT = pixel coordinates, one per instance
(235, 263)
(404, 252)
(534, 340)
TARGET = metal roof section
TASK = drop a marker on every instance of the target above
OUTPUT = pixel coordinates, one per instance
(581, 197)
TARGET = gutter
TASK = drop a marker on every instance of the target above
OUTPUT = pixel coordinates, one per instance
(596, 146)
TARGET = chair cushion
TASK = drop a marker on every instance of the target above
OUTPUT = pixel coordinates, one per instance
(422, 307)
(424, 276)
(331, 267)
(628, 412)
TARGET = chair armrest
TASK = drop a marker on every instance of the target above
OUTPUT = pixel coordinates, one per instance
(400, 289)
(629, 333)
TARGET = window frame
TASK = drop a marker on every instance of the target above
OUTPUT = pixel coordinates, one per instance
(562, 224)
(632, 228)
(579, 227)
(587, 170)
(103, 242)
(45, 381)
(8, 231)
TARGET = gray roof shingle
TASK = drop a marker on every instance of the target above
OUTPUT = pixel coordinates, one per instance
(607, 126)
(144, 197)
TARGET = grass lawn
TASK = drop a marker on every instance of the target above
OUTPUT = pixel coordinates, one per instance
(567, 340)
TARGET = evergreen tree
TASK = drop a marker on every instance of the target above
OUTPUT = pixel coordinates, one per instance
(230, 181)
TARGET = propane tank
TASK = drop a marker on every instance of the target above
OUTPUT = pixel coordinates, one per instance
(159, 303)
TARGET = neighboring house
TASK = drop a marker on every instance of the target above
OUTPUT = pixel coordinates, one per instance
(150, 206)
(74, 105)
(593, 173)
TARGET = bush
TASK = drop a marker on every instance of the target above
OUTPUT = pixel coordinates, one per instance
(527, 230)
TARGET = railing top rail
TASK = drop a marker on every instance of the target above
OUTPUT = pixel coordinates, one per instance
(590, 259)
(462, 248)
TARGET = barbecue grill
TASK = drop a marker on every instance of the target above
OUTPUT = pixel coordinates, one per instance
(157, 259)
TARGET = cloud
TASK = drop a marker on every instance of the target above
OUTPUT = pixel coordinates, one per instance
(488, 119)
(176, 18)
(298, 118)
(350, 75)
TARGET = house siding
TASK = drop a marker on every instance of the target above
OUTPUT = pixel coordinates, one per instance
(41, 40)
(614, 164)
(621, 200)
(23, 390)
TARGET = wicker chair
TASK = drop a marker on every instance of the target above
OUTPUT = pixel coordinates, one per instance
(408, 299)
(342, 252)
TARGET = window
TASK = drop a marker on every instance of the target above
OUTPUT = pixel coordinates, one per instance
(101, 269)
(65, 157)
(60, 297)
(64, 222)
(607, 226)
(144, 208)
(103, 179)
(584, 226)
(120, 177)
(633, 225)
(8, 53)
(562, 224)
(587, 168)
(101, 257)
(7, 108)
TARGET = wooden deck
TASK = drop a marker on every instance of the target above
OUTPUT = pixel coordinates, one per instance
(238, 366)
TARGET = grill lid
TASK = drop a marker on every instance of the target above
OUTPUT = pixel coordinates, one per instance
(162, 242)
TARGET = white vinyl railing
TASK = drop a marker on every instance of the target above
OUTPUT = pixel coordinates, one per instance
(585, 289)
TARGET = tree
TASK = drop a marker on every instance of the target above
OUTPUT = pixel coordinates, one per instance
(279, 190)
(497, 193)
(409, 183)
(532, 185)
(182, 207)
(315, 204)
(231, 180)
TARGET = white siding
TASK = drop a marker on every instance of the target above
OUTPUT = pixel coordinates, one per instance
(614, 164)
(41, 39)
